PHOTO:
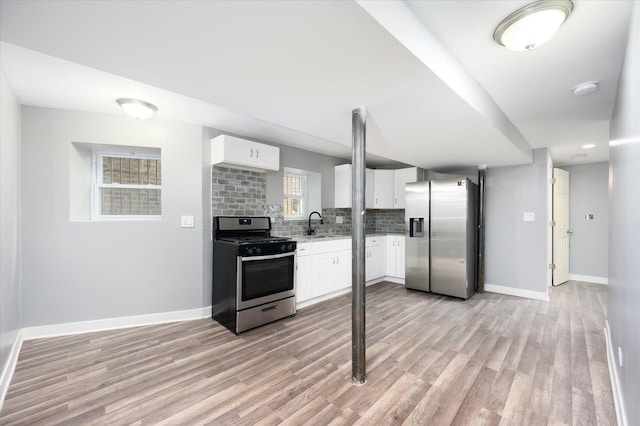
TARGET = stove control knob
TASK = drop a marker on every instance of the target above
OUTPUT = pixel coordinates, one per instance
(283, 248)
(258, 251)
(249, 250)
(290, 247)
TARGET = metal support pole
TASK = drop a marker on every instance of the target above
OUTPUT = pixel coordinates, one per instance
(358, 123)
(481, 205)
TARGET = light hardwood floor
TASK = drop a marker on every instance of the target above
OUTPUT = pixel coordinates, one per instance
(431, 360)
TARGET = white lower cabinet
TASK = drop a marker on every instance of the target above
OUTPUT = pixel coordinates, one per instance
(304, 273)
(324, 267)
(332, 272)
(395, 256)
(374, 258)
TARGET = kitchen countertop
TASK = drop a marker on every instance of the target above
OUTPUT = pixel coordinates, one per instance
(319, 238)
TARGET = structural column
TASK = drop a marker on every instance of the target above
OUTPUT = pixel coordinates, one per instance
(358, 361)
(481, 221)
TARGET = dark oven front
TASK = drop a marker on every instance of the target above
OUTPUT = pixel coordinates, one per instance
(265, 279)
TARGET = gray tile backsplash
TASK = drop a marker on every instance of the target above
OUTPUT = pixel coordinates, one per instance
(236, 192)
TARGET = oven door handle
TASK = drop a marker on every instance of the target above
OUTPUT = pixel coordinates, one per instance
(267, 257)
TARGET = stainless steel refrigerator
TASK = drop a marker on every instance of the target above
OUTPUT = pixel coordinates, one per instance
(440, 243)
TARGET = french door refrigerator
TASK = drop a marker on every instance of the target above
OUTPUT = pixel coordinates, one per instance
(441, 224)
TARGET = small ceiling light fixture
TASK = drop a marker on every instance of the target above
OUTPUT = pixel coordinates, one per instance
(137, 108)
(588, 146)
(532, 25)
(585, 88)
(578, 156)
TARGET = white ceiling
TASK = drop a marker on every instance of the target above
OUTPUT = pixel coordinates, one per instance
(439, 91)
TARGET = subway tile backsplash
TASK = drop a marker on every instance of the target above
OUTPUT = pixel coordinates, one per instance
(236, 192)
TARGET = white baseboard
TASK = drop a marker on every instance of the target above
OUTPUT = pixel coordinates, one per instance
(113, 323)
(10, 367)
(589, 279)
(618, 400)
(394, 280)
(511, 291)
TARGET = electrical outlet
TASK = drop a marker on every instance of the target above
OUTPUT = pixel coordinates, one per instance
(620, 356)
(339, 219)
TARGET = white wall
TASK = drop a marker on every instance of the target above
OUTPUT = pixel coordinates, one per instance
(82, 270)
(10, 240)
(624, 229)
(516, 251)
(589, 194)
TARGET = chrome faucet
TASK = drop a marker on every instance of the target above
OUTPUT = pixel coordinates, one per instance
(312, 231)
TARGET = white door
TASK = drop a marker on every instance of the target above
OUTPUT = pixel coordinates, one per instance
(561, 230)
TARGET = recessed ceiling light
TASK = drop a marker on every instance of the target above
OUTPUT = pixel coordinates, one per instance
(588, 146)
(137, 108)
(578, 156)
(585, 88)
(532, 25)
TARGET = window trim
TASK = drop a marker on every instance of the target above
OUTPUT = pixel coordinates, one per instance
(96, 178)
(302, 198)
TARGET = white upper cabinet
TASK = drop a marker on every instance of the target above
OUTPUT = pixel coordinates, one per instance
(343, 187)
(383, 189)
(243, 154)
(400, 178)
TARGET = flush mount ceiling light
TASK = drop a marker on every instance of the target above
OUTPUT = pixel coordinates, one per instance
(532, 25)
(137, 108)
(585, 88)
(588, 146)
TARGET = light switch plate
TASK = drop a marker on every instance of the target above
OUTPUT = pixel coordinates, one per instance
(186, 221)
(529, 216)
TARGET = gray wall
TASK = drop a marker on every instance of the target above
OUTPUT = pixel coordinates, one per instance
(10, 250)
(516, 251)
(624, 230)
(83, 270)
(207, 242)
(589, 194)
(304, 160)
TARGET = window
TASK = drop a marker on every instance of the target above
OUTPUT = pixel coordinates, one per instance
(126, 186)
(295, 195)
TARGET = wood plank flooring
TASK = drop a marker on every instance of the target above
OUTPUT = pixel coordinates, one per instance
(431, 360)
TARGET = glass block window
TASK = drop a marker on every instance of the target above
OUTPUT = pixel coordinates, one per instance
(295, 195)
(126, 186)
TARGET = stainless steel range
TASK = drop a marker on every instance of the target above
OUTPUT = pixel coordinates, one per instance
(254, 280)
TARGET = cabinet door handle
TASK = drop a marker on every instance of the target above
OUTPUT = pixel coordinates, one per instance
(257, 153)
(251, 155)
(337, 260)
